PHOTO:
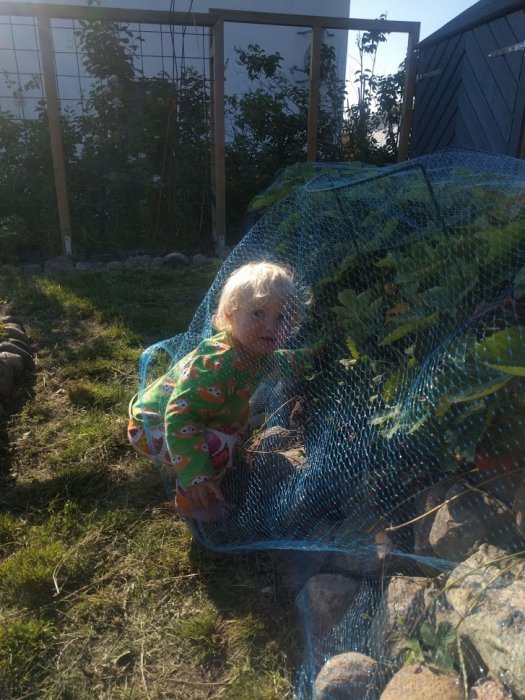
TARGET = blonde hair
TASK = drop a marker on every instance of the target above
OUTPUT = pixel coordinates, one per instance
(256, 281)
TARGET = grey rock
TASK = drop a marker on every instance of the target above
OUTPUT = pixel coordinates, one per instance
(8, 269)
(61, 265)
(9, 318)
(14, 332)
(83, 265)
(137, 262)
(399, 614)
(12, 346)
(487, 591)
(175, 259)
(113, 265)
(16, 362)
(349, 676)
(518, 508)
(32, 269)
(425, 504)
(199, 259)
(467, 519)
(327, 599)
(156, 262)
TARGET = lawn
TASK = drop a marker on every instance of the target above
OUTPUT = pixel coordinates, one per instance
(103, 592)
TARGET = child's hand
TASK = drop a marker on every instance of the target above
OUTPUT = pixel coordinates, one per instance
(204, 493)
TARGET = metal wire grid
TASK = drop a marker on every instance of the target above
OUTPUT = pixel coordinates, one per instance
(162, 51)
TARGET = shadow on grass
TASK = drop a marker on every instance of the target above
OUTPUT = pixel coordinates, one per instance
(152, 304)
(89, 487)
(24, 393)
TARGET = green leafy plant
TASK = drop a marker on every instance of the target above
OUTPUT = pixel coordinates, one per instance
(434, 645)
(431, 317)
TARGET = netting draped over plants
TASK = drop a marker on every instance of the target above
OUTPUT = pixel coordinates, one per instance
(415, 402)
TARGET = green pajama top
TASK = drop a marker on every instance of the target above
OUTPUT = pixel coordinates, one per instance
(208, 388)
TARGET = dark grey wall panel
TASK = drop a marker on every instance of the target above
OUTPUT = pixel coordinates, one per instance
(468, 98)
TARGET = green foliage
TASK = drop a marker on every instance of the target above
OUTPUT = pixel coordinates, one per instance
(403, 297)
(269, 124)
(434, 645)
(378, 106)
(138, 154)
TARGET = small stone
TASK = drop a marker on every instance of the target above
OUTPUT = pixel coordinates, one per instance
(15, 333)
(12, 319)
(16, 362)
(156, 262)
(137, 262)
(175, 259)
(83, 265)
(11, 346)
(327, 599)
(489, 689)
(113, 265)
(32, 269)
(199, 259)
(518, 508)
(59, 266)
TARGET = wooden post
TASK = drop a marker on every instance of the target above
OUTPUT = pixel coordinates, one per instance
(53, 113)
(218, 169)
(314, 93)
(405, 125)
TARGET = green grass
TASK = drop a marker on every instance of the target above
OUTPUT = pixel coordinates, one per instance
(103, 592)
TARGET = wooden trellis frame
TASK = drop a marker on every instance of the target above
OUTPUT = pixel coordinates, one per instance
(215, 19)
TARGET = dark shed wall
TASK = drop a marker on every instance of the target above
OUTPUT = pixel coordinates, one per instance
(466, 98)
(437, 96)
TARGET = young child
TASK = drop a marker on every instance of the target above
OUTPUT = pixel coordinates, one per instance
(191, 418)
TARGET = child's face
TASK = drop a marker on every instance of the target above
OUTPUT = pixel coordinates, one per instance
(261, 325)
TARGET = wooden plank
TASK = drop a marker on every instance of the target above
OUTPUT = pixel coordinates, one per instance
(407, 106)
(53, 113)
(110, 14)
(32, 9)
(218, 137)
(291, 20)
(314, 94)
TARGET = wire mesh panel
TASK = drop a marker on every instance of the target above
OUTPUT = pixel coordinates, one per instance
(398, 448)
(135, 121)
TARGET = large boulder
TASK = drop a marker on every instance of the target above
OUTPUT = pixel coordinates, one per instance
(398, 616)
(350, 676)
(423, 682)
(487, 592)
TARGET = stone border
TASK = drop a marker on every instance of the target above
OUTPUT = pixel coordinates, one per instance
(64, 264)
(16, 354)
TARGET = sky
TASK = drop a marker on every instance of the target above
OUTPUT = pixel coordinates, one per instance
(432, 14)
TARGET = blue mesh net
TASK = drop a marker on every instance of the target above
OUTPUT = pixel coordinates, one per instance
(415, 397)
